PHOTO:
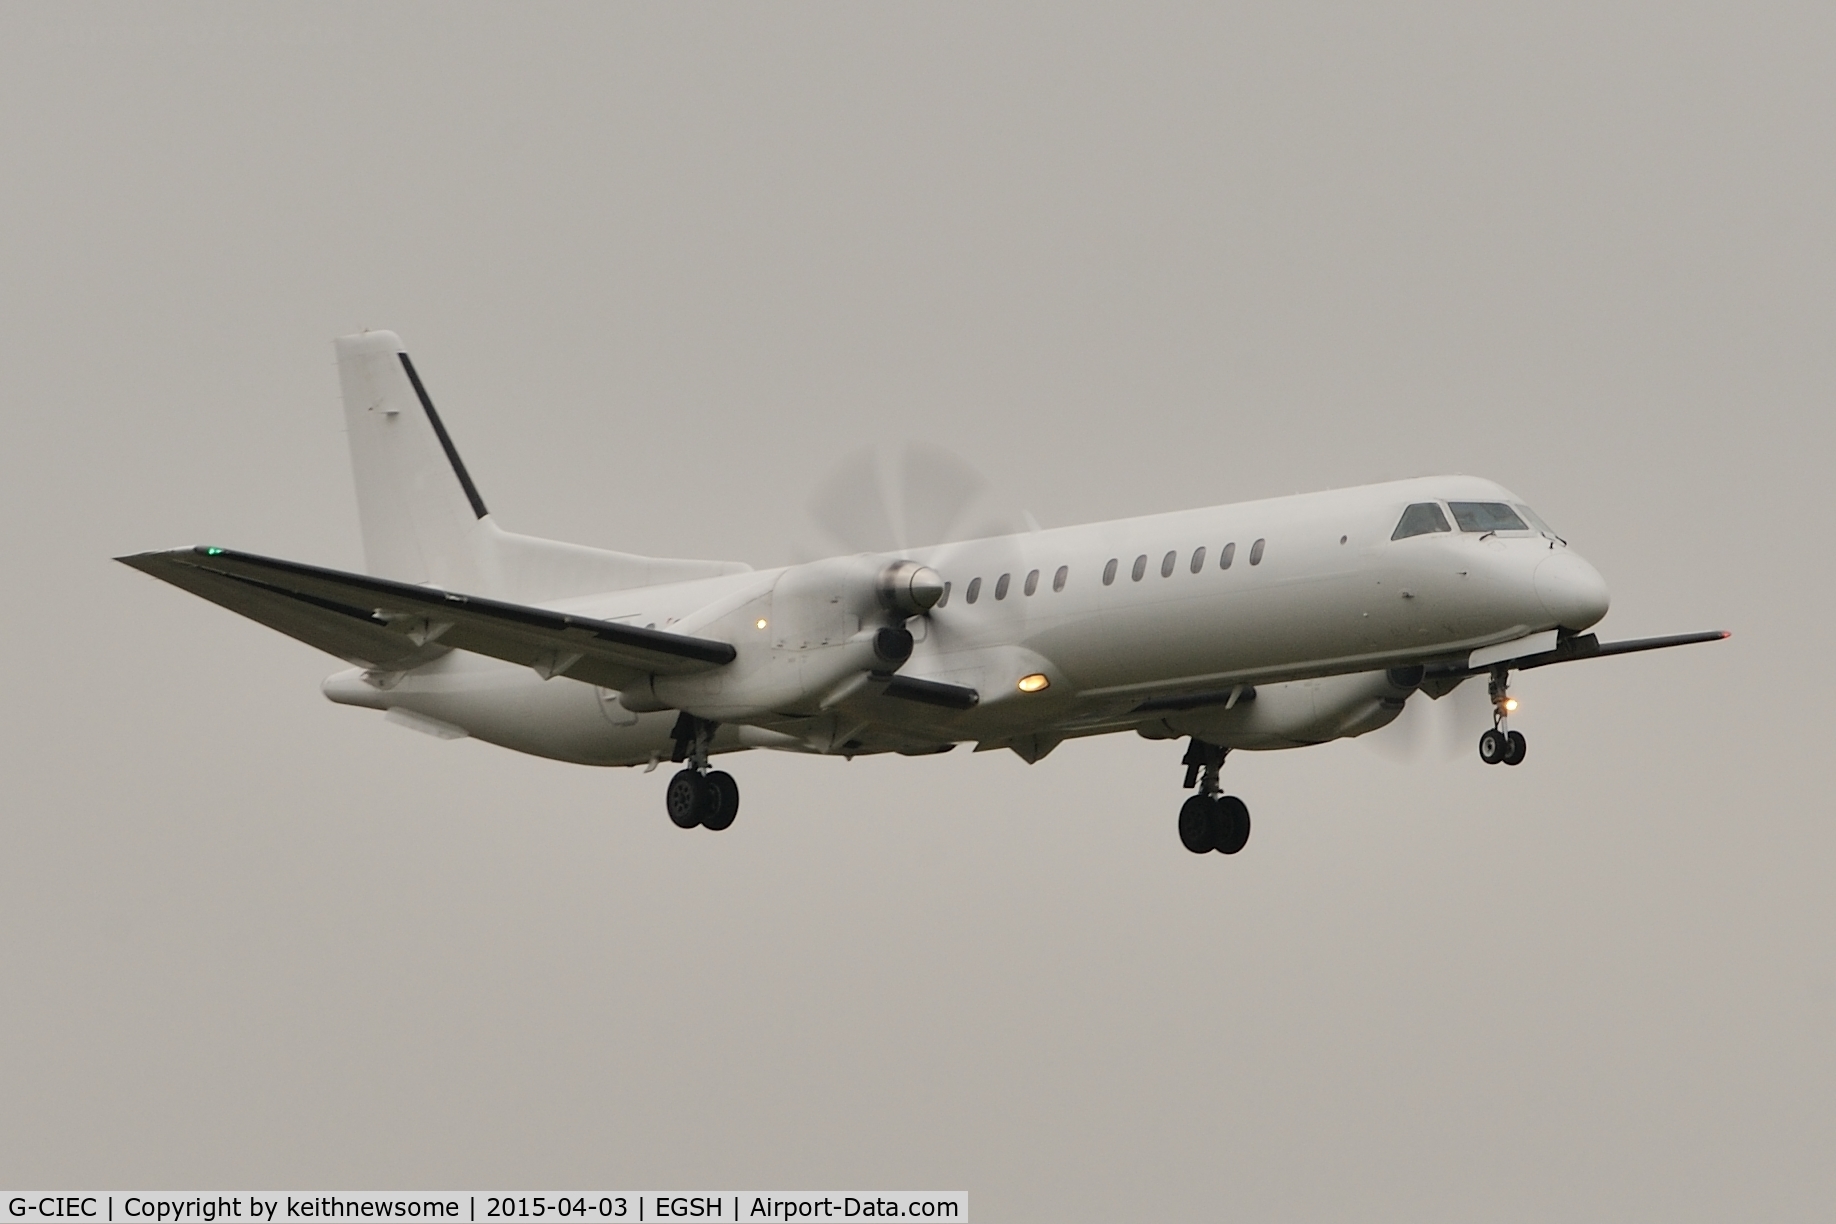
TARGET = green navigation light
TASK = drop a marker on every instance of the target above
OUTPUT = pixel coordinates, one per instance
(213, 552)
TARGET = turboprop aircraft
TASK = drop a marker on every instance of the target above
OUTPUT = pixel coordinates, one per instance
(1269, 624)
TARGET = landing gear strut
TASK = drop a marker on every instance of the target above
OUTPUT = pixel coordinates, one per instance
(698, 795)
(1210, 821)
(1501, 745)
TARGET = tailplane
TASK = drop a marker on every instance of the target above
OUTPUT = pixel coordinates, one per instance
(423, 518)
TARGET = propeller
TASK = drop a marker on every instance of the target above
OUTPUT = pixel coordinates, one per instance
(1435, 729)
(886, 499)
(891, 500)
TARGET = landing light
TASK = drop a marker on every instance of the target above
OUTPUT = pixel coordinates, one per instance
(1509, 704)
(759, 624)
(1034, 683)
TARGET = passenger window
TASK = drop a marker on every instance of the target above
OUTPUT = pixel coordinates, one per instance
(945, 597)
(1064, 572)
(1486, 516)
(1109, 572)
(1198, 558)
(1167, 563)
(1032, 582)
(1228, 555)
(1256, 552)
(1420, 519)
(974, 591)
(1001, 587)
(1140, 566)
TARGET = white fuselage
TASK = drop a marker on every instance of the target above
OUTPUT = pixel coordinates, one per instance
(1318, 601)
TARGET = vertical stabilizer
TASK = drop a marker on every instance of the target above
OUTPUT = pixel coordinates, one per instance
(423, 519)
(419, 509)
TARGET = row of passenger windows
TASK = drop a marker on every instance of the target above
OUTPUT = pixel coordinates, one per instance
(1168, 564)
(1422, 518)
(973, 591)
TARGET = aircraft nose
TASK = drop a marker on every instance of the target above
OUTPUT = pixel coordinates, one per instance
(1572, 590)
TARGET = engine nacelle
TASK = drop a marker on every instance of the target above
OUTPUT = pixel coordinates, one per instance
(1301, 712)
(814, 629)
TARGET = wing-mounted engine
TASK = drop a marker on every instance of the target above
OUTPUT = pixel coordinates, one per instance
(805, 639)
(1294, 714)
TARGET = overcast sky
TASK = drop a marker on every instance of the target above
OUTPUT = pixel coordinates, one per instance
(662, 269)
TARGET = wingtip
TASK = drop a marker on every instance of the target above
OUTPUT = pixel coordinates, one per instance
(147, 560)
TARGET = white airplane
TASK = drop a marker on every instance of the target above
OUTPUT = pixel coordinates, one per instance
(1270, 624)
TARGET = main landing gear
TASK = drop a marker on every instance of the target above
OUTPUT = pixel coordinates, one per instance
(1211, 821)
(698, 795)
(1501, 745)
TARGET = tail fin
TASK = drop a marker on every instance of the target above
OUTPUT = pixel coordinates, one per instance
(422, 517)
(419, 509)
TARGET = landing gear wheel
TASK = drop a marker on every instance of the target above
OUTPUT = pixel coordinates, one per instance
(1515, 747)
(723, 800)
(1494, 745)
(689, 799)
(1233, 827)
(1198, 821)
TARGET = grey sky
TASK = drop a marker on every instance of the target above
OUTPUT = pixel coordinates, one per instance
(661, 269)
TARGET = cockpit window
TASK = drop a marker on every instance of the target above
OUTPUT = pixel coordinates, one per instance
(1486, 516)
(1531, 517)
(1420, 519)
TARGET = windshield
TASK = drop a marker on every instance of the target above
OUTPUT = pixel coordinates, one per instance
(1535, 521)
(1486, 516)
(1420, 519)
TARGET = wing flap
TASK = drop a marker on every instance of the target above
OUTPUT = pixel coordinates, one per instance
(380, 623)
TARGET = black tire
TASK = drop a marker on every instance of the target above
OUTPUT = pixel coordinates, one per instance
(723, 801)
(687, 798)
(1233, 825)
(1515, 749)
(1198, 821)
(1493, 746)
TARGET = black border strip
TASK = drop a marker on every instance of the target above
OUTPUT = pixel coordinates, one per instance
(446, 443)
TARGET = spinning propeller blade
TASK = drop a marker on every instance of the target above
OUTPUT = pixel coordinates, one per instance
(1435, 730)
(891, 499)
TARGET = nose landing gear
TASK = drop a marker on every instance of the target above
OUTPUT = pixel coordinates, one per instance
(1501, 745)
(699, 796)
(1211, 821)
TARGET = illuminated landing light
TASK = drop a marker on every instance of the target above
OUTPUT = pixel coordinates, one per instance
(1509, 705)
(760, 623)
(1034, 683)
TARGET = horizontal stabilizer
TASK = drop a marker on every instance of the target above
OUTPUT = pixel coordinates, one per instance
(385, 625)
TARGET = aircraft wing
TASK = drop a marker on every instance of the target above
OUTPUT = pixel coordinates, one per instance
(384, 625)
(1584, 646)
